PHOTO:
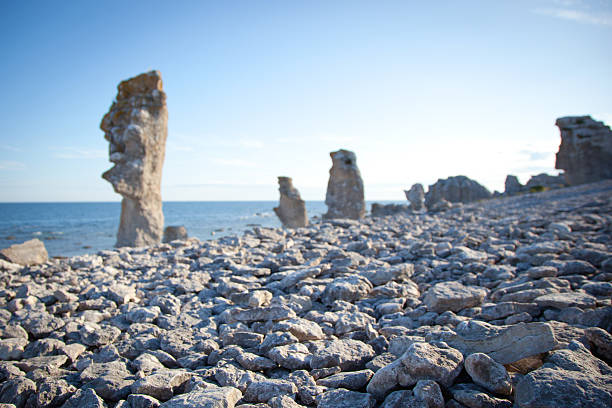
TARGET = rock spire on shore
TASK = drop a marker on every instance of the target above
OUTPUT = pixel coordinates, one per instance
(345, 194)
(585, 152)
(291, 208)
(136, 127)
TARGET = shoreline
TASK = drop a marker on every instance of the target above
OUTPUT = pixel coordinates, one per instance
(330, 315)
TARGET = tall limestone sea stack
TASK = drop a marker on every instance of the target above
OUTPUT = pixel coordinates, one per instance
(345, 196)
(291, 209)
(585, 152)
(136, 127)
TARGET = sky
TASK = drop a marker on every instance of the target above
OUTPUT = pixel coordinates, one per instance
(260, 89)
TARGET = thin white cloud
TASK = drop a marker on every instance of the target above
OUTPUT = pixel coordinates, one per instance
(11, 165)
(78, 153)
(250, 144)
(580, 16)
(233, 162)
(10, 148)
(178, 147)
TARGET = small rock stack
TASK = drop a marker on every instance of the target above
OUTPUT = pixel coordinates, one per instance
(291, 208)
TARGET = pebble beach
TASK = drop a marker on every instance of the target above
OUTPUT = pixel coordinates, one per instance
(499, 303)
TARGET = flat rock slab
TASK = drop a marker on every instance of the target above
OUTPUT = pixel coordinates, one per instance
(567, 299)
(342, 398)
(31, 252)
(569, 378)
(504, 344)
(452, 296)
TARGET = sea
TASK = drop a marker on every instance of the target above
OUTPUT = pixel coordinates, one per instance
(69, 229)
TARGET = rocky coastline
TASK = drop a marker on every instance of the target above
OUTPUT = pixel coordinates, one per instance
(500, 303)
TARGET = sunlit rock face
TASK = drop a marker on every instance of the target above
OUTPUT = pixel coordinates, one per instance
(457, 189)
(136, 127)
(291, 208)
(585, 152)
(345, 196)
(416, 196)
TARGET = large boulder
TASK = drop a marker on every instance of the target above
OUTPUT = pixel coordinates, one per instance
(136, 127)
(175, 232)
(458, 189)
(585, 152)
(416, 196)
(291, 208)
(345, 196)
(31, 252)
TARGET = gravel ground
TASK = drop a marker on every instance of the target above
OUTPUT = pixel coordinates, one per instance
(501, 303)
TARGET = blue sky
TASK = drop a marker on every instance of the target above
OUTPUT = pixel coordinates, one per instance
(259, 89)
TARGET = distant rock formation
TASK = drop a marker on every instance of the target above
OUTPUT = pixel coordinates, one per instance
(32, 252)
(416, 196)
(345, 196)
(458, 189)
(546, 181)
(136, 127)
(585, 152)
(291, 208)
(512, 185)
(382, 210)
(175, 232)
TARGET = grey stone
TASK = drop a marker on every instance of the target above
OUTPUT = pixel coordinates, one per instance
(352, 380)
(262, 391)
(141, 401)
(174, 233)
(28, 253)
(505, 344)
(12, 349)
(348, 288)
(452, 296)
(222, 397)
(161, 384)
(488, 373)
(422, 361)
(84, 398)
(569, 378)
(341, 398)
(346, 353)
(51, 393)
(568, 299)
(474, 397)
(17, 391)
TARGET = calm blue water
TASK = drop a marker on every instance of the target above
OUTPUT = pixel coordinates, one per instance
(69, 229)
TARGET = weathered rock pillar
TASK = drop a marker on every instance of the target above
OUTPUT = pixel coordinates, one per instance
(291, 208)
(345, 197)
(585, 152)
(136, 127)
(416, 196)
